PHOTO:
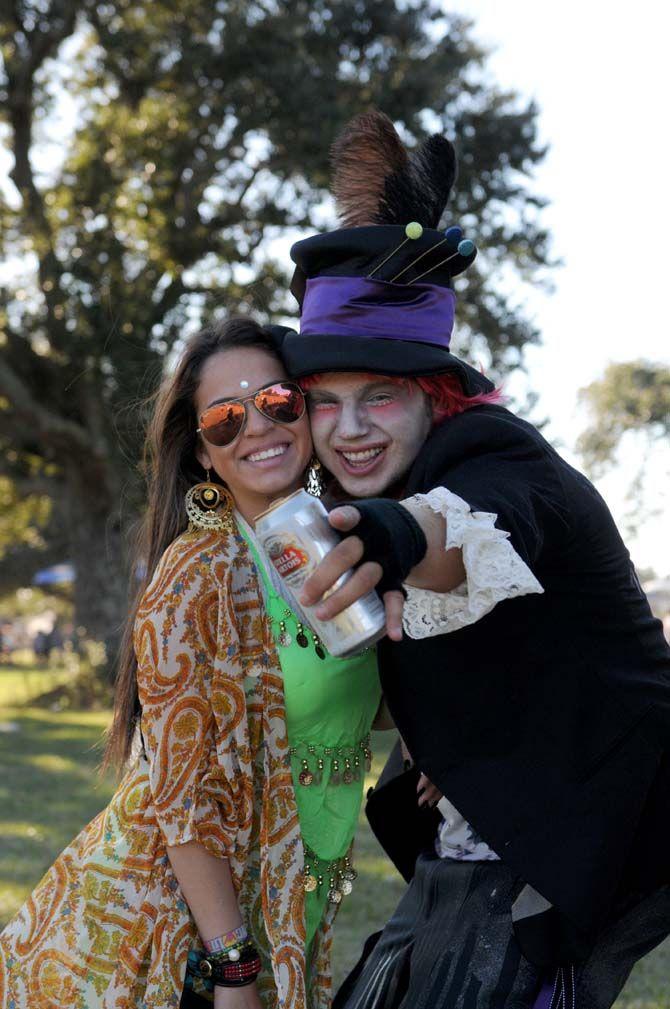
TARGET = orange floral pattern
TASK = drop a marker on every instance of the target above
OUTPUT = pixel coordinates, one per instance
(108, 927)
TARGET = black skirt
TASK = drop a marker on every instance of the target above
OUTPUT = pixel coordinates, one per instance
(449, 945)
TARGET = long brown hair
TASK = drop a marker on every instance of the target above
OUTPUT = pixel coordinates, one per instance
(170, 467)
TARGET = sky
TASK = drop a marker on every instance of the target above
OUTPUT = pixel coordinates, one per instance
(599, 73)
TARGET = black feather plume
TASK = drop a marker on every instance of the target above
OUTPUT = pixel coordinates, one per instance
(433, 164)
(376, 181)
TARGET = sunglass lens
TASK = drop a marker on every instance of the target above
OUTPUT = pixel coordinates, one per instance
(221, 424)
(283, 403)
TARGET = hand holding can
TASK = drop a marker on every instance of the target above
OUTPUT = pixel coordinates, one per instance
(295, 536)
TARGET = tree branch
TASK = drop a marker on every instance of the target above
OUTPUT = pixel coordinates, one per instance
(20, 94)
(167, 300)
(36, 370)
(51, 428)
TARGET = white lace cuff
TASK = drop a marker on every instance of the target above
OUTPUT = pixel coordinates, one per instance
(494, 571)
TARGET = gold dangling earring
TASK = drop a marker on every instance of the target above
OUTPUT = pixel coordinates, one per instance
(314, 481)
(210, 506)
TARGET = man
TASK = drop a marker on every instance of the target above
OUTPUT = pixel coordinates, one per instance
(536, 699)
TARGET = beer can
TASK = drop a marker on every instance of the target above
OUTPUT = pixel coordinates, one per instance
(295, 535)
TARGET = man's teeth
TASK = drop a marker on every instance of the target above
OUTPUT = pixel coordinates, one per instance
(269, 453)
(361, 457)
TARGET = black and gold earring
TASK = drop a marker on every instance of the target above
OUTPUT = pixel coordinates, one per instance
(209, 506)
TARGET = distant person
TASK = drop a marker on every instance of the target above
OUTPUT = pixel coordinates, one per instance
(41, 647)
(54, 640)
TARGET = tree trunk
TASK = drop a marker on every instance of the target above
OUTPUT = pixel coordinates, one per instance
(99, 554)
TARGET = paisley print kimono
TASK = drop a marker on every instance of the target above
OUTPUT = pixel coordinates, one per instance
(108, 927)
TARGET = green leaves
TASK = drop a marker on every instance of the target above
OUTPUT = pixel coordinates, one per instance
(184, 139)
(631, 396)
(22, 516)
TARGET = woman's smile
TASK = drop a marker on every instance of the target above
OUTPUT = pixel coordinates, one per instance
(267, 459)
(268, 456)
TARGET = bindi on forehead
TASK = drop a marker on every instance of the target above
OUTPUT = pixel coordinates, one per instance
(236, 371)
(244, 385)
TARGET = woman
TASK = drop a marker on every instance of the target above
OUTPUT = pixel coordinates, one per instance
(232, 826)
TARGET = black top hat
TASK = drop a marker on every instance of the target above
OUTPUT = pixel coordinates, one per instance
(378, 297)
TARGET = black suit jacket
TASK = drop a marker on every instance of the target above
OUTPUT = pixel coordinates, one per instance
(546, 722)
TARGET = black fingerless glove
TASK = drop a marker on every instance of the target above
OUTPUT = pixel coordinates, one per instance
(392, 537)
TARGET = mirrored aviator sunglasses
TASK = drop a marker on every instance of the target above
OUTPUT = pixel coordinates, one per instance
(281, 402)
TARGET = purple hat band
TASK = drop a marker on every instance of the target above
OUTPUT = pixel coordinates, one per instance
(356, 306)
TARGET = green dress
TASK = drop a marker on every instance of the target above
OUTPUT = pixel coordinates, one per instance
(330, 706)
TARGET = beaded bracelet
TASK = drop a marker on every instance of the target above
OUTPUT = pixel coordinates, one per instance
(222, 942)
(231, 954)
(231, 975)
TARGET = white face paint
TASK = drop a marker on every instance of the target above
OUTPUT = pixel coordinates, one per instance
(367, 430)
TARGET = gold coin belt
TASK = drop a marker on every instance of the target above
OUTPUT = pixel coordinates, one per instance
(339, 872)
(344, 763)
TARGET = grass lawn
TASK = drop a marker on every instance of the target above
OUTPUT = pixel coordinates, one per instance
(48, 784)
(49, 790)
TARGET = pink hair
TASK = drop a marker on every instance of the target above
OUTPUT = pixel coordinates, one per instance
(444, 390)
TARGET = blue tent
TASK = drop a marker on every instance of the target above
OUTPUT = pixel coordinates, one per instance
(59, 574)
